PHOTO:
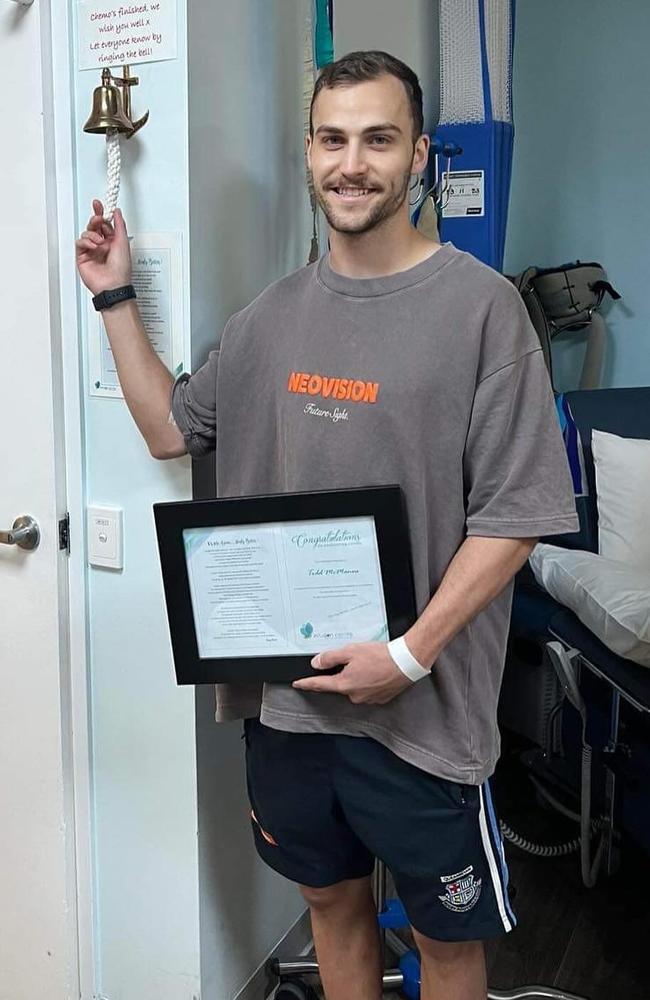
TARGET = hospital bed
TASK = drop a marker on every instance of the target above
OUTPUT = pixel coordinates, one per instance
(581, 705)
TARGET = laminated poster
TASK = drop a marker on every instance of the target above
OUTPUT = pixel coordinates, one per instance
(112, 34)
(157, 268)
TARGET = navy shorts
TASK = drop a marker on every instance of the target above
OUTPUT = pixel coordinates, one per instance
(323, 807)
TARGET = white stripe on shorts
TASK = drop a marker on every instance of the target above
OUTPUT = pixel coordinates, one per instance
(493, 863)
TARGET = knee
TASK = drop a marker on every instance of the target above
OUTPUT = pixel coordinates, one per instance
(447, 953)
(342, 894)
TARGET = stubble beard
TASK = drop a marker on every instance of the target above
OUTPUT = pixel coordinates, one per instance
(377, 214)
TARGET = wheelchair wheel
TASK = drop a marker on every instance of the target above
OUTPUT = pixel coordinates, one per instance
(294, 989)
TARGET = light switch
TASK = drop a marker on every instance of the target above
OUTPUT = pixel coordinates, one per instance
(105, 537)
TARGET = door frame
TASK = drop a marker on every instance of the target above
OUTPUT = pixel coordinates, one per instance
(58, 68)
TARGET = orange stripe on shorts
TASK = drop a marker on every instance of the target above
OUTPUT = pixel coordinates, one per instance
(267, 836)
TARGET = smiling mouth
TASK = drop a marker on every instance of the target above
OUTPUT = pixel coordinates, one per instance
(352, 193)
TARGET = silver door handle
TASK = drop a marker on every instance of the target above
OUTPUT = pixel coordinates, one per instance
(24, 533)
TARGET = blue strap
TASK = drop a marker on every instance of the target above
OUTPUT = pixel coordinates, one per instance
(573, 445)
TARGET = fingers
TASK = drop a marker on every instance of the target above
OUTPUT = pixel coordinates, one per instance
(85, 247)
(96, 238)
(335, 683)
(119, 223)
(92, 244)
(97, 222)
(324, 684)
(331, 658)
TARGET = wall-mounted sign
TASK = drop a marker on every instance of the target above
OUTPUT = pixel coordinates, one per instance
(463, 194)
(156, 276)
(119, 33)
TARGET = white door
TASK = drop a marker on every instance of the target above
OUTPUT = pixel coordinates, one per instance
(39, 953)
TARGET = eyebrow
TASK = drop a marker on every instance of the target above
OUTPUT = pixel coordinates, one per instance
(385, 127)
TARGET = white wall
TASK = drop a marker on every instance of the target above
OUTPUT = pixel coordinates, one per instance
(408, 30)
(221, 163)
(581, 76)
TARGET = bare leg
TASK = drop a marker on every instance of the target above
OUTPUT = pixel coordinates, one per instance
(344, 925)
(451, 970)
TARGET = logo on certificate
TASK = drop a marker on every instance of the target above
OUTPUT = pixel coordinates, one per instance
(307, 630)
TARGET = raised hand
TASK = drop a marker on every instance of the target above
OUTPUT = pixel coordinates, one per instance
(102, 252)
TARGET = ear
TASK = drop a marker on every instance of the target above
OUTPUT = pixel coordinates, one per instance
(420, 154)
(308, 145)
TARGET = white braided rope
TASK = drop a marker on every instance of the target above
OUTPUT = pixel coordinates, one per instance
(113, 156)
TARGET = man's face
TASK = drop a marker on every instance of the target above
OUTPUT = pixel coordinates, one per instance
(362, 155)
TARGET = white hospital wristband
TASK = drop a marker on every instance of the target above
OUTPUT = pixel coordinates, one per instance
(405, 660)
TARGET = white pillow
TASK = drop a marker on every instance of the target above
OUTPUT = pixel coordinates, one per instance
(622, 467)
(610, 598)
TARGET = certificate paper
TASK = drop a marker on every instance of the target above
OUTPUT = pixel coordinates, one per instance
(285, 588)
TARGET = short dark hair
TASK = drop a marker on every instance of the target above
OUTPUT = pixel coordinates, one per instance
(357, 67)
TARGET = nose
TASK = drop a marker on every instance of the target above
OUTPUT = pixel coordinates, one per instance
(353, 163)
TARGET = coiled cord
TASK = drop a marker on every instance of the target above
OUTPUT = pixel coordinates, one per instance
(568, 846)
(540, 850)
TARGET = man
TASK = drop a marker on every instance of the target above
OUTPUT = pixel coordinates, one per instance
(389, 757)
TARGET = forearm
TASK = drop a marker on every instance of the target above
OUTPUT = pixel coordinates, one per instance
(145, 381)
(479, 571)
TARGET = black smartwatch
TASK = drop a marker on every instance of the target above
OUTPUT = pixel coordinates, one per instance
(111, 296)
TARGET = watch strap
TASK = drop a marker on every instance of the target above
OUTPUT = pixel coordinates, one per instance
(111, 296)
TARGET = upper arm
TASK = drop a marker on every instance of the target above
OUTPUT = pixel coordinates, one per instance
(194, 409)
(517, 478)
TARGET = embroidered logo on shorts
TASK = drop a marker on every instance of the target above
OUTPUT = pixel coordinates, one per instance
(461, 890)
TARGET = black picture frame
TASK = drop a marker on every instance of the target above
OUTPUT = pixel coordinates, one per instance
(384, 503)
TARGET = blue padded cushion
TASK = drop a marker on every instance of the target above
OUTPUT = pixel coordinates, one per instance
(625, 412)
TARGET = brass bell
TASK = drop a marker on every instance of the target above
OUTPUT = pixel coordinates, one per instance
(108, 112)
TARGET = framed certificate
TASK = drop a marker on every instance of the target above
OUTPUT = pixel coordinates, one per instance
(256, 586)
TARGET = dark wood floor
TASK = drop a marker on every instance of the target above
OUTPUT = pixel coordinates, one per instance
(592, 942)
(595, 943)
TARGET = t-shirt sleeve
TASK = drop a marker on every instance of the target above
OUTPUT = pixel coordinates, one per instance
(194, 407)
(516, 473)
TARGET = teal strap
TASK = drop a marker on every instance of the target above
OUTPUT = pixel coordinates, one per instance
(324, 42)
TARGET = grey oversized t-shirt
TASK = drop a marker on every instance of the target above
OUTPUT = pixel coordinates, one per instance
(432, 378)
